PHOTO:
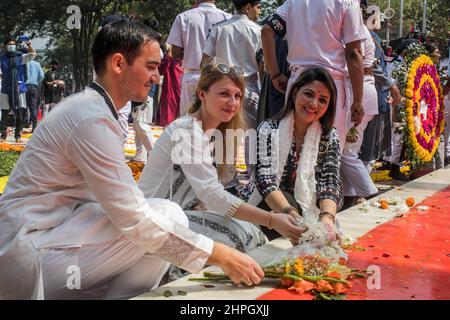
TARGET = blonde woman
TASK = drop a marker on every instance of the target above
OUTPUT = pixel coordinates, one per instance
(182, 166)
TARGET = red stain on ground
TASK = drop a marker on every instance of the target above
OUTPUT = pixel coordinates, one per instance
(412, 255)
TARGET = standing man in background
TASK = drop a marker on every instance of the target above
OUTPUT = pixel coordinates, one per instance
(35, 77)
(187, 38)
(52, 87)
(13, 85)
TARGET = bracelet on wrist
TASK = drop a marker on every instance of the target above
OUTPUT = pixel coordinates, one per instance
(327, 214)
(269, 220)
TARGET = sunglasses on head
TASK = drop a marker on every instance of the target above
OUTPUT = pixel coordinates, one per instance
(224, 68)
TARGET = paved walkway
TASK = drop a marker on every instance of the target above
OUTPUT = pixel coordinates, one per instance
(357, 223)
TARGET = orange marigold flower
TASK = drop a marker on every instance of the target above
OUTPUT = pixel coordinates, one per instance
(410, 201)
(286, 282)
(384, 204)
(302, 286)
(339, 288)
(323, 286)
(299, 267)
(334, 274)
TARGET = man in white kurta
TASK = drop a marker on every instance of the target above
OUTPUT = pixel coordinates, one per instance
(73, 222)
(187, 37)
(72, 191)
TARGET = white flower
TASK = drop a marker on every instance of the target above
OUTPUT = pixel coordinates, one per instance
(400, 208)
(394, 200)
(375, 204)
(365, 207)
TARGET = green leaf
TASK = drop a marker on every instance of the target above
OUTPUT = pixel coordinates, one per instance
(168, 293)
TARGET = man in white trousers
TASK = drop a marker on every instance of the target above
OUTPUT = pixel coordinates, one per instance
(73, 222)
(356, 181)
(187, 37)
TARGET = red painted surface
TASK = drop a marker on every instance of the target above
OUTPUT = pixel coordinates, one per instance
(412, 253)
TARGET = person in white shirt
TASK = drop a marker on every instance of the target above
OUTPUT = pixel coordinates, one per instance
(188, 37)
(356, 180)
(236, 43)
(325, 33)
(73, 222)
(184, 168)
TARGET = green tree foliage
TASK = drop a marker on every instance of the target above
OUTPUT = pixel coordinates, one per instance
(437, 23)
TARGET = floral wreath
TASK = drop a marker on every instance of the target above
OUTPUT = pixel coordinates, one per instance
(424, 109)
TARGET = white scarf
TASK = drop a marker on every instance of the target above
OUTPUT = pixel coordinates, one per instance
(305, 184)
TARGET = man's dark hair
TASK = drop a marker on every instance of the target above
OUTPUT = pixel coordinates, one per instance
(122, 37)
(239, 4)
(9, 39)
(54, 62)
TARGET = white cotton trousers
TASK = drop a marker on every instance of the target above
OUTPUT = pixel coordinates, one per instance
(397, 143)
(118, 269)
(447, 126)
(188, 89)
(356, 180)
(355, 177)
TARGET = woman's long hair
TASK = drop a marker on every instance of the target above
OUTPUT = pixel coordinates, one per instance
(307, 76)
(211, 74)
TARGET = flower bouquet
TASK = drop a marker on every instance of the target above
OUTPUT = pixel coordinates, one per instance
(316, 266)
(311, 274)
(352, 135)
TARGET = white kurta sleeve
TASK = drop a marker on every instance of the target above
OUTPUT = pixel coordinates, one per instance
(96, 148)
(202, 174)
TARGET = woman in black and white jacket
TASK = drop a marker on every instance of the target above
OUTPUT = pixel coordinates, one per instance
(298, 157)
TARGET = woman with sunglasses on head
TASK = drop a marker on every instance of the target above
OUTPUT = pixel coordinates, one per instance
(298, 159)
(185, 167)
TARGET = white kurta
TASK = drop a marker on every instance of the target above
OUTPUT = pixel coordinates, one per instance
(75, 161)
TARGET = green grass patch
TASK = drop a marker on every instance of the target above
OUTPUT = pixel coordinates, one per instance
(8, 160)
